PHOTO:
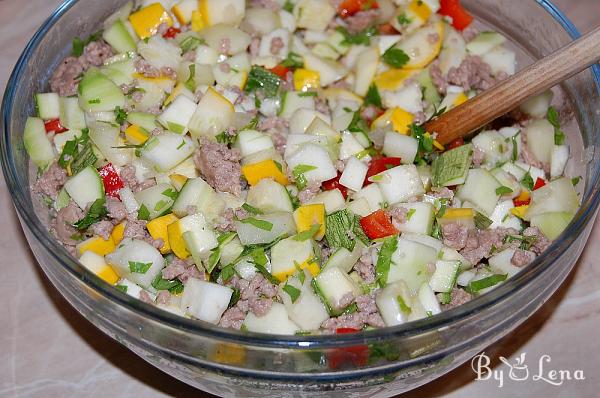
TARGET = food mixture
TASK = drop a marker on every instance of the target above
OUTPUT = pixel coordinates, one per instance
(263, 165)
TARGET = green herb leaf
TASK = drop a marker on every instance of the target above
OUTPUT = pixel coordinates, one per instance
(213, 259)
(503, 190)
(120, 115)
(527, 181)
(268, 276)
(261, 79)
(373, 97)
(143, 213)
(402, 304)
(575, 180)
(492, 280)
(358, 124)
(225, 138)
(481, 221)
(384, 260)
(77, 154)
(96, 212)
(301, 275)
(170, 193)
(452, 165)
(307, 94)
(292, 291)
(337, 226)
(553, 118)
(298, 173)
(227, 273)
(395, 57)
(410, 213)
(191, 43)
(164, 284)
(252, 209)
(403, 19)
(225, 238)
(191, 81)
(235, 297)
(293, 60)
(122, 288)
(138, 267)
(261, 224)
(288, 6)
(515, 147)
(363, 37)
(351, 309)
(79, 44)
(308, 234)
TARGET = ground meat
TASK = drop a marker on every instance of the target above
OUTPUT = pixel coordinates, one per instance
(343, 84)
(321, 106)
(116, 210)
(442, 193)
(191, 271)
(226, 222)
(168, 73)
(127, 174)
(325, 251)
(478, 156)
(66, 77)
(361, 20)
(162, 29)
(479, 243)
(224, 45)
(469, 33)
(96, 52)
(437, 77)
(256, 296)
(367, 314)
(258, 286)
(144, 68)
(279, 142)
(190, 56)
(364, 266)
(540, 243)
(174, 269)
(272, 124)
(163, 297)
(340, 166)
(522, 257)
(224, 67)
(220, 166)
(457, 297)
(136, 229)
(455, 235)
(102, 228)
(420, 117)
(145, 297)
(254, 47)
(472, 73)
(51, 181)
(287, 84)
(62, 225)
(530, 158)
(234, 317)
(272, 5)
(308, 194)
(398, 215)
(277, 45)
(369, 113)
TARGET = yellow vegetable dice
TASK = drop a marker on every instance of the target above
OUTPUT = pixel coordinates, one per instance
(117, 233)
(183, 10)
(393, 79)
(312, 266)
(458, 213)
(266, 169)
(158, 230)
(460, 98)
(97, 245)
(178, 181)
(176, 241)
(401, 119)
(420, 9)
(198, 21)
(136, 134)
(308, 215)
(519, 211)
(306, 79)
(146, 21)
(96, 264)
(231, 354)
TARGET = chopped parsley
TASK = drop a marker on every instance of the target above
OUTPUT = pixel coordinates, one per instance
(173, 286)
(410, 213)
(384, 260)
(122, 288)
(293, 60)
(480, 284)
(260, 224)
(139, 267)
(481, 221)
(79, 44)
(191, 81)
(363, 37)
(503, 190)
(292, 291)
(170, 193)
(527, 181)
(308, 234)
(553, 118)
(120, 115)
(575, 180)
(96, 212)
(252, 209)
(143, 213)
(191, 43)
(77, 154)
(403, 19)
(373, 97)
(298, 173)
(395, 57)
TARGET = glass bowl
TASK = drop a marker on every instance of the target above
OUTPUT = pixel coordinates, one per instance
(376, 363)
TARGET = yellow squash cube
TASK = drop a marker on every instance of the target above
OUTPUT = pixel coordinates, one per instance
(419, 9)
(146, 21)
(178, 181)
(266, 169)
(519, 211)
(401, 119)
(117, 233)
(308, 215)
(183, 10)
(98, 245)
(198, 21)
(393, 79)
(176, 241)
(306, 79)
(96, 264)
(158, 230)
(136, 135)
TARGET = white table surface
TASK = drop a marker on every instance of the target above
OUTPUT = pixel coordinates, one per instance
(48, 350)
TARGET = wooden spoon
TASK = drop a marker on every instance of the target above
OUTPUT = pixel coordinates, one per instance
(508, 94)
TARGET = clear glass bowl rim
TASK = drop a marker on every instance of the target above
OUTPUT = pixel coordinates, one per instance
(20, 194)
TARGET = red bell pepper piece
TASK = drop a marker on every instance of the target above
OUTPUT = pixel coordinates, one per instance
(460, 17)
(387, 29)
(455, 144)
(111, 180)
(378, 225)
(171, 33)
(54, 125)
(380, 165)
(518, 203)
(280, 71)
(539, 183)
(356, 355)
(334, 183)
(347, 8)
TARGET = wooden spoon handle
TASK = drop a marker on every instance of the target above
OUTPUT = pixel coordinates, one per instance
(506, 95)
